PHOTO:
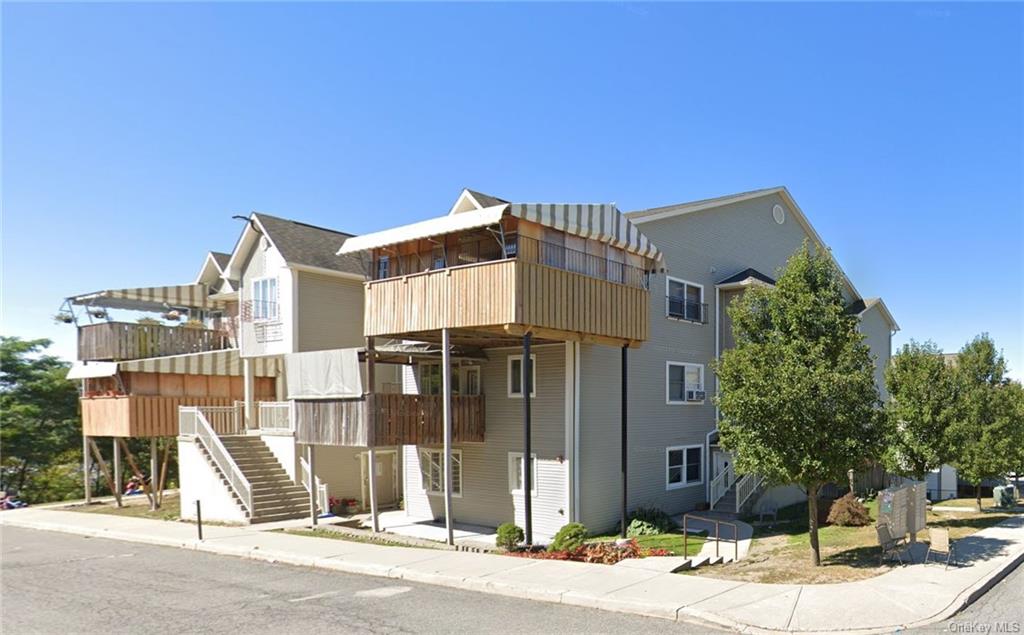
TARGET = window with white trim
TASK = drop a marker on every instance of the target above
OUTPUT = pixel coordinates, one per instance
(430, 378)
(684, 383)
(264, 299)
(432, 472)
(515, 473)
(515, 376)
(685, 300)
(684, 466)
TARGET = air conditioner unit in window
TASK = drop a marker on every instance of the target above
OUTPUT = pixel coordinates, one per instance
(695, 395)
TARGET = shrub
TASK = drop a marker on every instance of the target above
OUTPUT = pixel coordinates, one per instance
(569, 538)
(848, 512)
(654, 517)
(509, 536)
(639, 527)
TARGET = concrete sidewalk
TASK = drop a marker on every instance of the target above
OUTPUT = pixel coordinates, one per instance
(904, 597)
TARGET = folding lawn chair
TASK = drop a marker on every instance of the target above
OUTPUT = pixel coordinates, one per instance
(939, 542)
(890, 545)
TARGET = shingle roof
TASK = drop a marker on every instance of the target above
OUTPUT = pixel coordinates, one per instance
(486, 200)
(747, 273)
(309, 245)
(682, 207)
(220, 258)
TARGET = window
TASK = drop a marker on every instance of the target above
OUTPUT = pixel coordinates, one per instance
(515, 473)
(264, 299)
(515, 376)
(685, 301)
(472, 380)
(430, 379)
(383, 267)
(432, 471)
(684, 383)
(683, 466)
(437, 258)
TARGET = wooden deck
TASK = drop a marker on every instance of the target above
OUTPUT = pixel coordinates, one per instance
(118, 341)
(508, 298)
(399, 420)
(138, 415)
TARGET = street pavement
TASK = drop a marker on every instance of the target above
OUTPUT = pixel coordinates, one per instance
(59, 583)
(1000, 610)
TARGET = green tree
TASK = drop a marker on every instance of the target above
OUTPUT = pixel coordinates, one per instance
(798, 397)
(40, 417)
(985, 432)
(922, 397)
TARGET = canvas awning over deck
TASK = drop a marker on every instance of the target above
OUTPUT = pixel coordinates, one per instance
(223, 363)
(192, 296)
(601, 222)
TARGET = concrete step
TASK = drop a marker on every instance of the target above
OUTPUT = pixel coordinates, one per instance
(275, 518)
(698, 561)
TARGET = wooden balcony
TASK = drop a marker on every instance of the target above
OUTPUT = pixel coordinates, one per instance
(119, 341)
(418, 419)
(138, 415)
(400, 420)
(502, 299)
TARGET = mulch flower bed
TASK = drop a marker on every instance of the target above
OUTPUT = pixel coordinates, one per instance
(598, 552)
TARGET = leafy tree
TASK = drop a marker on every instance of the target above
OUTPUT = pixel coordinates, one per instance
(798, 397)
(985, 432)
(40, 421)
(920, 409)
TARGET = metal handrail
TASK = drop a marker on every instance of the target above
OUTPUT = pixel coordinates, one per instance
(721, 484)
(683, 309)
(322, 497)
(276, 416)
(718, 534)
(745, 488)
(192, 423)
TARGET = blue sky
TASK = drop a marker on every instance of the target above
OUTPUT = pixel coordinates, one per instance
(133, 132)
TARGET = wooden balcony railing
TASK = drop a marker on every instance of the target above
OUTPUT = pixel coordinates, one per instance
(118, 341)
(502, 294)
(139, 415)
(400, 420)
(418, 419)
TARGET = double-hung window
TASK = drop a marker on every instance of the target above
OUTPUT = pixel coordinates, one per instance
(432, 472)
(515, 473)
(684, 383)
(430, 378)
(683, 466)
(516, 376)
(264, 299)
(685, 301)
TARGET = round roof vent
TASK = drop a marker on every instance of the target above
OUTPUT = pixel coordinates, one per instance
(779, 214)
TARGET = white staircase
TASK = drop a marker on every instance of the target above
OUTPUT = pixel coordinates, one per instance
(250, 472)
(732, 495)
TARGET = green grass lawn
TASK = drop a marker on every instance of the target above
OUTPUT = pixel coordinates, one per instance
(672, 542)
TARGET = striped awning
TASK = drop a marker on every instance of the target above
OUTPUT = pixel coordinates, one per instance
(193, 296)
(601, 222)
(224, 363)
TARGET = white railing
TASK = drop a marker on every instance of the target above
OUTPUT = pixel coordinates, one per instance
(276, 416)
(193, 423)
(721, 484)
(322, 497)
(745, 488)
(225, 420)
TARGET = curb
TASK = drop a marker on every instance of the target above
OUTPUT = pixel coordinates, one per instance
(480, 585)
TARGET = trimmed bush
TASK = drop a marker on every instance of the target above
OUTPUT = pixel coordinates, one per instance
(652, 517)
(509, 536)
(639, 528)
(569, 538)
(848, 512)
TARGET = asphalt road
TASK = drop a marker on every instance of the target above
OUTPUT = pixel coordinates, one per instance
(60, 584)
(1001, 610)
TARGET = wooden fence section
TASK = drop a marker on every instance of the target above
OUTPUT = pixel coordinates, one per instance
(331, 422)
(419, 419)
(138, 415)
(118, 341)
(507, 292)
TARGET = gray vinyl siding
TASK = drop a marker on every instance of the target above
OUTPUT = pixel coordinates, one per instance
(877, 336)
(330, 312)
(486, 499)
(702, 247)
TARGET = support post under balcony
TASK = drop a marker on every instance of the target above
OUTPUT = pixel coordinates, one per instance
(371, 430)
(625, 445)
(527, 386)
(446, 387)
